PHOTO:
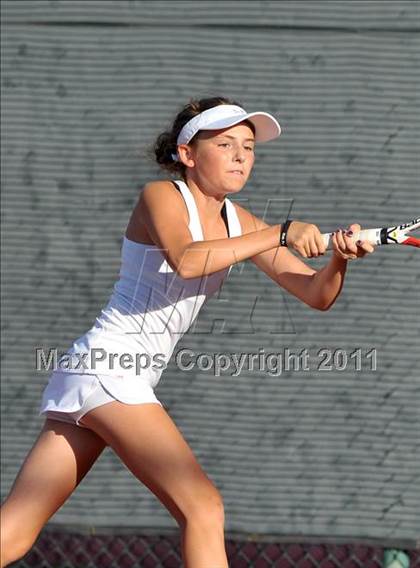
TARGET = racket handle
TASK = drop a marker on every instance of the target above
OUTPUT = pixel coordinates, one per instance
(373, 236)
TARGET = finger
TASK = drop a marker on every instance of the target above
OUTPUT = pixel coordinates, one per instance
(355, 227)
(300, 249)
(346, 245)
(308, 249)
(354, 231)
(338, 244)
(303, 252)
(320, 244)
(351, 247)
(365, 246)
(313, 247)
(334, 241)
(340, 241)
(302, 246)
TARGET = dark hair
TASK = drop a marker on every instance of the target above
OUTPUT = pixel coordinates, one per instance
(165, 144)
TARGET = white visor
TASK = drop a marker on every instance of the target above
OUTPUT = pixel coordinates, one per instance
(222, 116)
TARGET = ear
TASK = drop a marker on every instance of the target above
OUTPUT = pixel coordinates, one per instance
(185, 155)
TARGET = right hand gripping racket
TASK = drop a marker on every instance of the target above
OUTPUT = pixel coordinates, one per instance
(398, 235)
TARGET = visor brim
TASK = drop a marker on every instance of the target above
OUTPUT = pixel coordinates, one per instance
(266, 126)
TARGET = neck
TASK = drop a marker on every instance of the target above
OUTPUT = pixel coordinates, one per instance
(207, 201)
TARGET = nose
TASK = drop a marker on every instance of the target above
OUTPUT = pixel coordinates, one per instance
(239, 155)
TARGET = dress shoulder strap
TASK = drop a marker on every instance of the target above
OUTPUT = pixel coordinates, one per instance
(194, 223)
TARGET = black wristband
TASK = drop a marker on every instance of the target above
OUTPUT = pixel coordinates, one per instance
(283, 233)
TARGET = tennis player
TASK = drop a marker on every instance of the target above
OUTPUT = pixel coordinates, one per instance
(181, 241)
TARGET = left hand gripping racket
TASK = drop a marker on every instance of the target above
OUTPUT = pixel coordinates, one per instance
(398, 235)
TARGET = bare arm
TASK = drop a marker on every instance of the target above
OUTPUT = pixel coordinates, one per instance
(327, 283)
(205, 257)
(317, 289)
(163, 211)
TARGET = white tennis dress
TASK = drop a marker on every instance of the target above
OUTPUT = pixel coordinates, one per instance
(131, 342)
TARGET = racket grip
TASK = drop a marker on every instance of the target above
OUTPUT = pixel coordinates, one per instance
(373, 236)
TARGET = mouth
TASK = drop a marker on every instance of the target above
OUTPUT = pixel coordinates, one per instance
(237, 172)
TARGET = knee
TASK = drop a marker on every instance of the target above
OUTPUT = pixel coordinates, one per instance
(13, 544)
(206, 508)
(11, 550)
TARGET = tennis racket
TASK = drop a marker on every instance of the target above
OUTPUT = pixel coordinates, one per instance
(398, 235)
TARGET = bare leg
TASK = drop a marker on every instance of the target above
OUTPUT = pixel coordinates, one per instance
(149, 443)
(56, 464)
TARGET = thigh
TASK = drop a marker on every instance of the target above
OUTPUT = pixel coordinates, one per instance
(149, 443)
(57, 462)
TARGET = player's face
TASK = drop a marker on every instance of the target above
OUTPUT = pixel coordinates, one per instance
(223, 158)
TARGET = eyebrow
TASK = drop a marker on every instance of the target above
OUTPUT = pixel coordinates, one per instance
(233, 137)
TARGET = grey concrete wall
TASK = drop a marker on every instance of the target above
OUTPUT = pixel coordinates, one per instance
(86, 87)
